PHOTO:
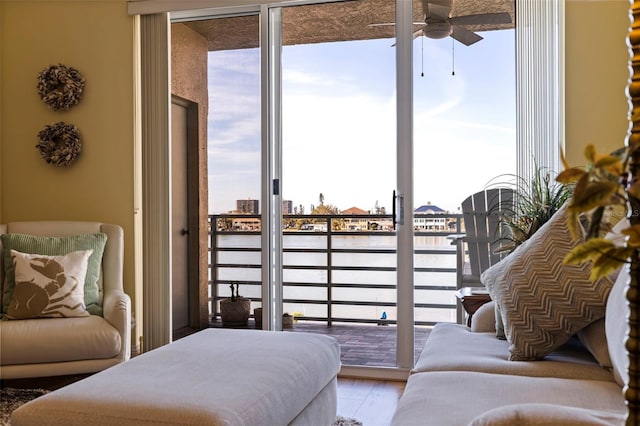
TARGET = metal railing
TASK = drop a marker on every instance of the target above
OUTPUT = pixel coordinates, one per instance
(338, 268)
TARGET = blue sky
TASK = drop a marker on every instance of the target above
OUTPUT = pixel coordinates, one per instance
(339, 122)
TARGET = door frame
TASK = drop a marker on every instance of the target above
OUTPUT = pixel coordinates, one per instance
(155, 192)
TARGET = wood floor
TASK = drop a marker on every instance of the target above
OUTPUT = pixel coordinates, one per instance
(373, 402)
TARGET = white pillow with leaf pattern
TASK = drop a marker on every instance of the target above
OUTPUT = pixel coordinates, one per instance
(49, 286)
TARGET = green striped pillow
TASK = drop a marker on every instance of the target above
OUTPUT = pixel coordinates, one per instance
(56, 246)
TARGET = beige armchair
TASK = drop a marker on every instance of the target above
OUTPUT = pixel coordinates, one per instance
(43, 347)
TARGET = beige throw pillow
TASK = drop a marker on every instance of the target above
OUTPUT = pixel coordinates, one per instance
(594, 338)
(49, 286)
(542, 301)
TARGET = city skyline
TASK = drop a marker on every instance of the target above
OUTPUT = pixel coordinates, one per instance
(252, 206)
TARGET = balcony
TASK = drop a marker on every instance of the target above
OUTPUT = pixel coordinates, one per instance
(339, 275)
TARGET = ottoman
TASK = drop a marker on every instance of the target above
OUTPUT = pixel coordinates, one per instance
(213, 377)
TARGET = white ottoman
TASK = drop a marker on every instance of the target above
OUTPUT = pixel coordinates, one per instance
(213, 377)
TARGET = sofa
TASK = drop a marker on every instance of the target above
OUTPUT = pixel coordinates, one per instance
(78, 328)
(547, 350)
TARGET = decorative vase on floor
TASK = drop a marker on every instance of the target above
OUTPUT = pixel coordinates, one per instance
(287, 321)
(235, 310)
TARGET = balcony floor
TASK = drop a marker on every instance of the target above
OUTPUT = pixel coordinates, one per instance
(361, 344)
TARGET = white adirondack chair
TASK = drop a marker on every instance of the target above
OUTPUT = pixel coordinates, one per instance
(476, 248)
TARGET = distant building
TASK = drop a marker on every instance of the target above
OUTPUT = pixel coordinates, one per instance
(316, 227)
(246, 224)
(430, 223)
(248, 206)
(357, 223)
(287, 207)
(354, 211)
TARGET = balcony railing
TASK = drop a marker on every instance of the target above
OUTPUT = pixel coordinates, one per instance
(338, 268)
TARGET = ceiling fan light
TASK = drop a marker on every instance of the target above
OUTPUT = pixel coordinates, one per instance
(438, 30)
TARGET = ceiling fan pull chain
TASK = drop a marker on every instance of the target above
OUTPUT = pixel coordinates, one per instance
(422, 54)
(453, 57)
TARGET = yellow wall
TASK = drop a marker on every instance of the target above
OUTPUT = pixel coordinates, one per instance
(596, 76)
(95, 37)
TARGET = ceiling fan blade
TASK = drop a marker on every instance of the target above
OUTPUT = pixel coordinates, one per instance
(425, 9)
(416, 34)
(383, 24)
(465, 36)
(389, 24)
(482, 19)
(441, 3)
(438, 12)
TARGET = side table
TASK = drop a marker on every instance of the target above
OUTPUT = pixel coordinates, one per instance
(472, 298)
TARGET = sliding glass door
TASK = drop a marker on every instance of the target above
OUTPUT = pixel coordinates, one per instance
(311, 171)
(338, 178)
(276, 110)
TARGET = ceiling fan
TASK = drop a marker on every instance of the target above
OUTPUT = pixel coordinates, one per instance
(439, 24)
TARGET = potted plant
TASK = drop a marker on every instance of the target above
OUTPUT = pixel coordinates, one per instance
(287, 319)
(605, 191)
(235, 310)
(257, 316)
(535, 202)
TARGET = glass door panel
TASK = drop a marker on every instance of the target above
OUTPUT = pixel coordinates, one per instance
(338, 176)
(234, 155)
(464, 140)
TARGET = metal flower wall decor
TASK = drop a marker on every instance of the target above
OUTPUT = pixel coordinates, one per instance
(60, 87)
(59, 143)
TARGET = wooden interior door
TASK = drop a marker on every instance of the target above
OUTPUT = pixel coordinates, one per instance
(179, 220)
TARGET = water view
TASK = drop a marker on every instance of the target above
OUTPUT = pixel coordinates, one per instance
(348, 276)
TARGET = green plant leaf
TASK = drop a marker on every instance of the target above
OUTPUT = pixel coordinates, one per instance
(571, 175)
(595, 224)
(633, 236)
(590, 250)
(634, 189)
(611, 164)
(600, 194)
(593, 195)
(609, 261)
(590, 153)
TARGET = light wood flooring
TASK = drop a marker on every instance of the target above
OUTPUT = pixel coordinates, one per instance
(373, 402)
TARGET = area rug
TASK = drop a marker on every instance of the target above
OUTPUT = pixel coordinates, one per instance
(11, 398)
(346, 421)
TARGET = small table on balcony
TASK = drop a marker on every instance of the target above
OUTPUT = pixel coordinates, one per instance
(472, 298)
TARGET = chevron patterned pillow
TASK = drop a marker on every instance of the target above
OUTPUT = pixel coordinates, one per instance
(542, 301)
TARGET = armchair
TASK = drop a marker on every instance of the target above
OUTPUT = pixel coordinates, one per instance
(43, 347)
